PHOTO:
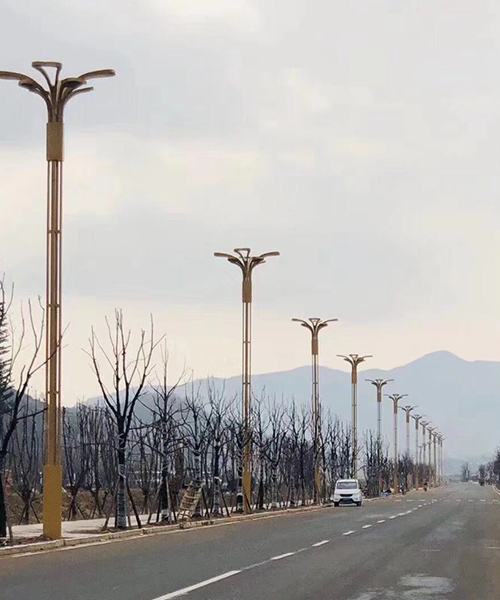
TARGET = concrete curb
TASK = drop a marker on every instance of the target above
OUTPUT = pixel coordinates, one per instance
(156, 530)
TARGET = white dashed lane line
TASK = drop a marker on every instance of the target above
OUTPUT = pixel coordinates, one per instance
(197, 586)
(381, 521)
(280, 556)
(320, 543)
(367, 526)
(348, 532)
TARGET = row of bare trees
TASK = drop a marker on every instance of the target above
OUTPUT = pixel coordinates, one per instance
(148, 439)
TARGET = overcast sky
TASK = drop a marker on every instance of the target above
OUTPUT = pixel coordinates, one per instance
(359, 138)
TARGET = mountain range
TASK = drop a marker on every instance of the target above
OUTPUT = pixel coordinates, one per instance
(461, 398)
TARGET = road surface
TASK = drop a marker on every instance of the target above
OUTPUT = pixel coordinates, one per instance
(439, 545)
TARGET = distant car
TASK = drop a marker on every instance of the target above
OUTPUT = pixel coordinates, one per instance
(347, 491)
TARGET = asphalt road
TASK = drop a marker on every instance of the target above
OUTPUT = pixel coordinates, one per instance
(439, 545)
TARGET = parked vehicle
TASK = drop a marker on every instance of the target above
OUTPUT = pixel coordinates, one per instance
(347, 491)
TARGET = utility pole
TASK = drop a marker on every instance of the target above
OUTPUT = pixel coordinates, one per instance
(379, 384)
(314, 326)
(395, 399)
(56, 93)
(354, 360)
(246, 263)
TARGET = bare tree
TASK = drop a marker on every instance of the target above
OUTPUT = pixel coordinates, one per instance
(128, 372)
(14, 388)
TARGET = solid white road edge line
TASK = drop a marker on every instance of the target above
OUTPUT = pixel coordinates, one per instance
(197, 586)
(320, 543)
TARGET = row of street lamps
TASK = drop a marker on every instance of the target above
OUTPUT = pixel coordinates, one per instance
(56, 92)
(243, 259)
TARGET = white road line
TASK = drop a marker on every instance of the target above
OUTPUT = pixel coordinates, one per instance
(393, 517)
(280, 556)
(320, 543)
(381, 521)
(366, 526)
(197, 586)
(348, 533)
(492, 547)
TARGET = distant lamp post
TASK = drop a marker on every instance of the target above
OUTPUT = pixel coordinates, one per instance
(314, 326)
(55, 93)
(435, 436)
(441, 457)
(354, 360)
(379, 384)
(417, 419)
(246, 263)
(395, 399)
(430, 431)
(407, 410)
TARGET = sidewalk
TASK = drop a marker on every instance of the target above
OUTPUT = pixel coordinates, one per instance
(72, 529)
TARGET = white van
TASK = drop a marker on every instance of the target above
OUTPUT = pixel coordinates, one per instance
(347, 491)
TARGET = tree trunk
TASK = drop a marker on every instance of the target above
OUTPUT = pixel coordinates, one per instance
(274, 486)
(3, 501)
(216, 511)
(121, 497)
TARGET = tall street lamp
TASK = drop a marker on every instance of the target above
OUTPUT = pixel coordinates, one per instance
(430, 430)
(424, 446)
(395, 399)
(246, 263)
(56, 93)
(315, 325)
(379, 384)
(435, 439)
(354, 360)
(407, 410)
(417, 419)
(441, 456)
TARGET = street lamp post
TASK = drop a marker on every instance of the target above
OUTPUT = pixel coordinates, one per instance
(424, 447)
(435, 438)
(407, 410)
(354, 360)
(417, 419)
(315, 325)
(429, 431)
(441, 456)
(55, 93)
(395, 399)
(379, 384)
(247, 263)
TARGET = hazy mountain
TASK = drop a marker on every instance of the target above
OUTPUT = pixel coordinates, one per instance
(460, 397)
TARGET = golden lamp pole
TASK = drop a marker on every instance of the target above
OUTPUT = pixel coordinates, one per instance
(55, 93)
(354, 360)
(247, 264)
(314, 326)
